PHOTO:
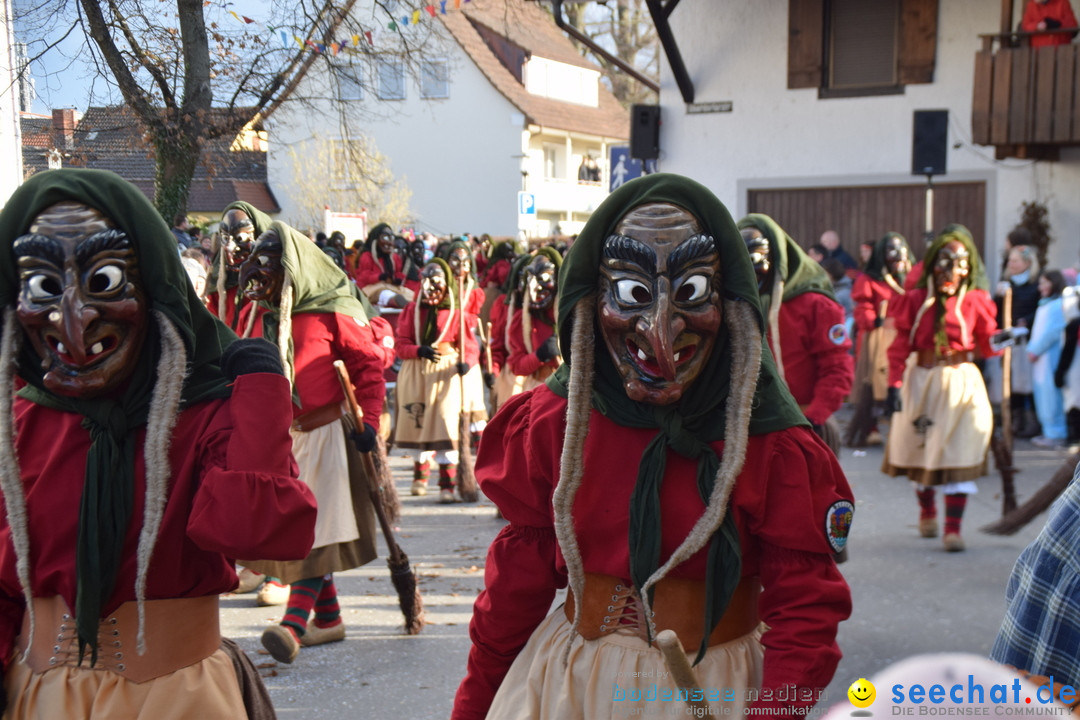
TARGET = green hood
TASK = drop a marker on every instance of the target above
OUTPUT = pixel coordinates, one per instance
(976, 277)
(790, 263)
(260, 220)
(876, 267)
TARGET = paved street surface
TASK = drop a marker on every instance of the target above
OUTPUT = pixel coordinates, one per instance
(909, 596)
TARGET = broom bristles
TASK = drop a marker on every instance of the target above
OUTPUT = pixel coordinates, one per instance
(412, 605)
(384, 481)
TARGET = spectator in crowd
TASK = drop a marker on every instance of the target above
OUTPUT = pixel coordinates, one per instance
(180, 230)
(1021, 276)
(830, 240)
(1044, 352)
(1040, 15)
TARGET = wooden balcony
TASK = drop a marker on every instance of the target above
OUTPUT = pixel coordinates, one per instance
(1026, 101)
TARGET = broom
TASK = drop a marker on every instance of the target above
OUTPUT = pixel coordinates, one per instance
(401, 575)
(466, 478)
(1012, 521)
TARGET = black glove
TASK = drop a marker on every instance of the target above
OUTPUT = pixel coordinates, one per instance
(250, 355)
(489, 379)
(397, 281)
(428, 353)
(1059, 375)
(1052, 24)
(462, 368)
(383, 277)
(878, 322)
(549, 350)
(363, 440)
(892, 401)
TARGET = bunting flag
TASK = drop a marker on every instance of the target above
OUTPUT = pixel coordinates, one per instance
(354, 39)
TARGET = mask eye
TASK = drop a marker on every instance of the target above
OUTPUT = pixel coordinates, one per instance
(692, 289)
(632, 292)
(106, 279)
(263, 260)
(43, 287)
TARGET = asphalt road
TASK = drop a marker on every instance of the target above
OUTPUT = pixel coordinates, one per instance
(910, 597)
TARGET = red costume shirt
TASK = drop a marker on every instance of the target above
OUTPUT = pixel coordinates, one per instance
(971, 334)
(368, 269)
(1037, 12)
(318, 340)
(815, 349)
(407, 345)
(870, 296)
(225, 455)
(522, 361)
(498, 273)
(789, 481)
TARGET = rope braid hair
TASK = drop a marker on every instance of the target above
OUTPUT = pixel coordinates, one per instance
(774, 324)
(284, 338)
(10, 477)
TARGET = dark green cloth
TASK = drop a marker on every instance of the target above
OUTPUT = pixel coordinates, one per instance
(877, 267)
(319, 286)
(697, 419)
(797, 269)
(109, 483)
(260, 221)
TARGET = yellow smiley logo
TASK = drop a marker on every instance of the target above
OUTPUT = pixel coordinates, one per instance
(861, 693)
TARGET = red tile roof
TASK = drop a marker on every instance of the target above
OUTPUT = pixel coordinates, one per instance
(528, 27)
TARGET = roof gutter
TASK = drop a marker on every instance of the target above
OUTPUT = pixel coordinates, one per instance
(556, 6)
(660, 13)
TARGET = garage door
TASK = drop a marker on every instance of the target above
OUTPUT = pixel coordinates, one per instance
(868, 212)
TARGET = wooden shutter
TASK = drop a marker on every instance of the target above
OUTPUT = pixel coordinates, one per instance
(806, 25)
(918, 41)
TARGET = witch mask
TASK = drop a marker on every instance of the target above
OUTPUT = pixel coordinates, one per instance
(81, 300)
(237, 237)
(433, 285)
(758, 247)
(952, 265)
(540, 280)
(659, 306)
(263, 275)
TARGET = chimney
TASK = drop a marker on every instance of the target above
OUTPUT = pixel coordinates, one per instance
(63, 120)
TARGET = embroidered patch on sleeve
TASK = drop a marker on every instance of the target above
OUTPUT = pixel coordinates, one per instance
(838, 523)
(838, 334)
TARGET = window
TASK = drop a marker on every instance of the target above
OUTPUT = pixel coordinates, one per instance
(553, 161)
(350, 86)
(855, 47)
(390, 76)
(434, 79)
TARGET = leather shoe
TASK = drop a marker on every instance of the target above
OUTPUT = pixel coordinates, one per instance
(953, 542)
(928, 528)
(280, 642)
(446, 496)
(419, 487)
(315, 635)
(272, 593)
(249, 580)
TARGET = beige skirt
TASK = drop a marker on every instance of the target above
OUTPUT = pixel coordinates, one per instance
(617, 676)
(507, 385)
(207, 689)
(943, 431)
(429, 403)
(877, 349)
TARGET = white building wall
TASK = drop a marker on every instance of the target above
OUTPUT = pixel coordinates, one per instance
(775, 137)
(11, 167)
(460, 155)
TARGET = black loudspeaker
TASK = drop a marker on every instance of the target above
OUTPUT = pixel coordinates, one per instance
(930, 142)
(645, 132)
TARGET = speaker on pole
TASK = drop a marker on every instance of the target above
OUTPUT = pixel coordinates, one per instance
(930, 142)
(645, 132)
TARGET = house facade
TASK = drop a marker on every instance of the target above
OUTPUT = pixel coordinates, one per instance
(805, 109)
(496, 115)
(10, 131)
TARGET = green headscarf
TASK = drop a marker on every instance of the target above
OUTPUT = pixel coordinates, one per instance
(109, 484)
(976, 275)
(790, 263)
(259, 220)
(319, 286)
(697, 419)
(430, 330)
(877, 267)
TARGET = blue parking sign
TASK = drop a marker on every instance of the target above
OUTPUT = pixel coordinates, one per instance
(526, 203)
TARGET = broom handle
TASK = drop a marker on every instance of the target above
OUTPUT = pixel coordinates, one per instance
(461, 344)
(369, 465)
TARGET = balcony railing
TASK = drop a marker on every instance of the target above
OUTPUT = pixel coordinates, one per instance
(1026, 101)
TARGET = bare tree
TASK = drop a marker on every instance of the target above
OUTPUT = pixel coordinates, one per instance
(625, 29)
(192, 71)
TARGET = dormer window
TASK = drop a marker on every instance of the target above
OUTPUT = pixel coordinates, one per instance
(562, 81)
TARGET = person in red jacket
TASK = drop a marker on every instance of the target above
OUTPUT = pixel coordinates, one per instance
(505, 384)
(241, 224)
(805, 324)
(668, 477)
(941, 417)
(314, 319)
(140, 426)
(437, 382)
(1041, 15)
(534, 347)
(381, 266)
(875, 290)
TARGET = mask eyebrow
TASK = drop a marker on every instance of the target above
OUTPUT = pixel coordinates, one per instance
(622, 247)
(111, 239)
(35, 245)
(691, 250)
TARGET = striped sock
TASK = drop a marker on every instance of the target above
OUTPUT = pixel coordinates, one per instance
(447, 475)
(302, 597)
(421, 470)
(927, 510)
(327, 610)
(954, 512)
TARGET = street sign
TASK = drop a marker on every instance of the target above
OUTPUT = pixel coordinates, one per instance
(624, 168)
(526, 204)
